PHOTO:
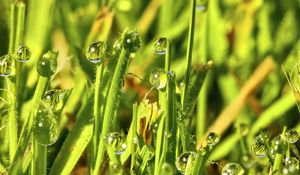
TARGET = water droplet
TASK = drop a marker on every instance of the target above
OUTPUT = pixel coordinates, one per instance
(54, 98)
(181, 115)
(291, 165)
(167, 134)
(131, 40)
(167, 169)
(202, 150)
(6, 66)
(233, 169)
(201, 7)
(292, 136)
(47, 64)
(243, 129)
(278, 146)
(95, 53)
(171, 75)
(23, 53)
(260, 146)
(212, 139)
(115, 168)
(160, 45)
(158, 78)
(117, 47)
(183, 159)
(248, 160)
(116, 141)
(45, 127)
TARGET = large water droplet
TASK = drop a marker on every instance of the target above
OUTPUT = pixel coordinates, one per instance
(291, 166)
(23, 53)
(47, 64)
(183, 159)
(160, 45)
(212, 139)
(260, 146)
(131, 40)
(233, 169)
(292, 136)
(95, 53)
(158, 78)
(45, 128)
(167, 169)
(116, 141)
(6, 66)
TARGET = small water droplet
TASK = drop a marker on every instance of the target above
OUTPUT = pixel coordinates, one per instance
(23, 53)
(54, 98)
(45, 127)
(202, 150)
(158, 78)
(95, 53)
(247, 160)
(116, 141)
(6, 66)
(181, 115)
(201, 7)
(167, 169)
(47, 64)
(131, 40)
(117, 47)
(171, 75)
(212, 139)
(292, 136)
(291, 166)
(183, 159)
(167, 134)
(278, 146)
(233, 169)
(115, 168)
(243, 129)
(260, 146)
(160, 45)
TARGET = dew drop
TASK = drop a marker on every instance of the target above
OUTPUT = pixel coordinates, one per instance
(260, 146)
(233, 169)
(47, 64)
(247, 160)
(160, 45)
(54, 98)
(23, 53)
(116, 141)
(6, 66)
(45, 128)
(202, 150)
(201, 7)
(291, 165)
(171, 75)
(95, 53)
(181, 115)
(117, 47)
(212, 139)
(292, 136)
(131, 40)
(278, 146)
(158, 79)
(183, 159)
(243, 129)
(167, 169)
(115, 168)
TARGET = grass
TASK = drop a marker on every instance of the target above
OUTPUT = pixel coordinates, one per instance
(149, 87)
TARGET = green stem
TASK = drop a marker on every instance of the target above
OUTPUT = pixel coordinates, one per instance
(189, 56)
(97, 115)
(279, 156)
(17, 15)
(112, 103)
(188, 63)
(202, 99)
(133, 132)
(27, 128)
(39, 165)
